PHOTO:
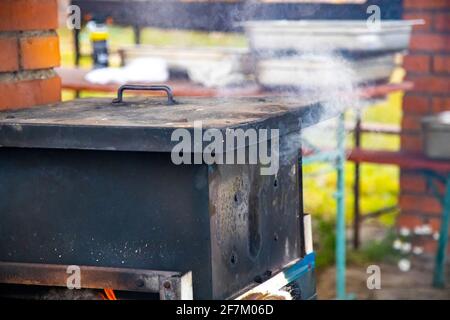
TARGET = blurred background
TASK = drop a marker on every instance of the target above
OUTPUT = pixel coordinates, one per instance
(389, 230)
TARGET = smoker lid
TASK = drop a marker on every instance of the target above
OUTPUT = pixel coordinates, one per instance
(146, 124)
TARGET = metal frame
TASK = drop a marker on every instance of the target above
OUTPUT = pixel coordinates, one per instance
(439, 173)
(441, 253)
(169, 285)
(340, 214)
(357, 217)
(337, 157)
(435, 172)
(356, 185)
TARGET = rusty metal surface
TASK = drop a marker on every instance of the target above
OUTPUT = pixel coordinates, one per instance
(125, 279)
(255, 220)
(154, 112)
(176, 287)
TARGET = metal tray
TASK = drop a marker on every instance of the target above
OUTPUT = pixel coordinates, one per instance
(319, 35)
(216, 66)
(315, 72)
(436, 134)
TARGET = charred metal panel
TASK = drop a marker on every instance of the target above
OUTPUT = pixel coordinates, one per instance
(107, 209)
(255, 228)
(137, 210)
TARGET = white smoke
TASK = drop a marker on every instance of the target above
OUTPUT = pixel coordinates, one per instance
(330, 80)
(334, 84)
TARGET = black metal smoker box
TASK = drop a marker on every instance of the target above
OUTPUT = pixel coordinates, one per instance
(91, 183)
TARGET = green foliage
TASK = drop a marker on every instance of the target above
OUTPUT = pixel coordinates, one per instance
(375, 251)
(372, 251)
(379, 189)
(324, 232)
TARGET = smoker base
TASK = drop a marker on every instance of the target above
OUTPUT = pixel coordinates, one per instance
(298, 279)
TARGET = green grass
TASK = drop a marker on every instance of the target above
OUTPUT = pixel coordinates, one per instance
(326, 240)
(372, 251)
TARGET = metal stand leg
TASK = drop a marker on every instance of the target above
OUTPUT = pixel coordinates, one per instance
(356, 185)
(439, 270)
(137, 35)
(340, 216)
(76, 41)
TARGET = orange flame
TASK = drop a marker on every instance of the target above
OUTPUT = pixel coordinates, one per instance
(110, 295)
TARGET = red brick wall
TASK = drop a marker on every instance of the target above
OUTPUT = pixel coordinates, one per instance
(29, 49)
(428, 66)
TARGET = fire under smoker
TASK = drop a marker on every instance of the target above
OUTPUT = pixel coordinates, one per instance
(90, 183)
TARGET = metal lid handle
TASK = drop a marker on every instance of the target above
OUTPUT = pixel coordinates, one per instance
(167, 89)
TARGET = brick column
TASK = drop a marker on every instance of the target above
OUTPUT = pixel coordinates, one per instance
(29, 49)
(428, 66)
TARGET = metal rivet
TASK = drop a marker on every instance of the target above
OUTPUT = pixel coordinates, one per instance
(167, 284)
(140, 283)
(233, 258)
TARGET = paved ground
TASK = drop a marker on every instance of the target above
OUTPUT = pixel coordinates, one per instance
(414, 284)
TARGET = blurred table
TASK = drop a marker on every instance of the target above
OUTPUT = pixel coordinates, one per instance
(74, 79)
